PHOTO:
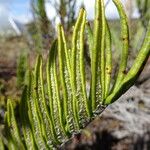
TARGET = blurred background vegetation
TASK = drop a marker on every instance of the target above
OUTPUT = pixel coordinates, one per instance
(18, 52)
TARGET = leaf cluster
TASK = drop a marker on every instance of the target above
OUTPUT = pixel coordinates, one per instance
(57, 105)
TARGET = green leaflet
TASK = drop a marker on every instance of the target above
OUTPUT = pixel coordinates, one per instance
(81, 102)
(65, 72)
(134, 72)
(42, 102)
(90, 38)
(1, 144)
(125, 44)
(77, 72)
(56, 102)
(26, 127)
(34, 115)
(50, 89)
(108, 57)
(98, 60)
(14, 139)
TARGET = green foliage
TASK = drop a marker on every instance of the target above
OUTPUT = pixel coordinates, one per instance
(41, 16)
(42, 27)
(67, 13)
(21, 69)
(1, 144)
(2, 87)
(144, 9)
(66, 10)
(54, 107)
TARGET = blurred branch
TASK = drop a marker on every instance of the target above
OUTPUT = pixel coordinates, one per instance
(144, 10)
(42, 24)
(65, 9)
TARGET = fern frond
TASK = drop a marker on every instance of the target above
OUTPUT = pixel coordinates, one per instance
(125, 44)
(108, 60)
(50, 94)
(55, 107)
(41, 101)
(34, 113)
(134, 72)
(90, 38)
(25, 123)
(56, 103)
(64, 77)
(14, 140)
(75, 69)
(95, 61)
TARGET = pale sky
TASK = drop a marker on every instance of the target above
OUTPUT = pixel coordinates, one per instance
(111, 11)
(20, 10)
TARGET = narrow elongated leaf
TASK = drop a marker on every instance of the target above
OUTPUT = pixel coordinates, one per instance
(26, 127)
(54, 108)
(134, 72)
(75, 69)
(12, 127)
(125, 44)
(65, 73)
(56, 98)
(97, 62)
(108, 65)
(42, 102)
(90, 38)
(50, 94)
(102, 50)
(33, 113)
(86, 104)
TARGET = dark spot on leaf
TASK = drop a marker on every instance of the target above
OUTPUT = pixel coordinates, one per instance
(125, 39)
(35, 88)
(124, 72)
